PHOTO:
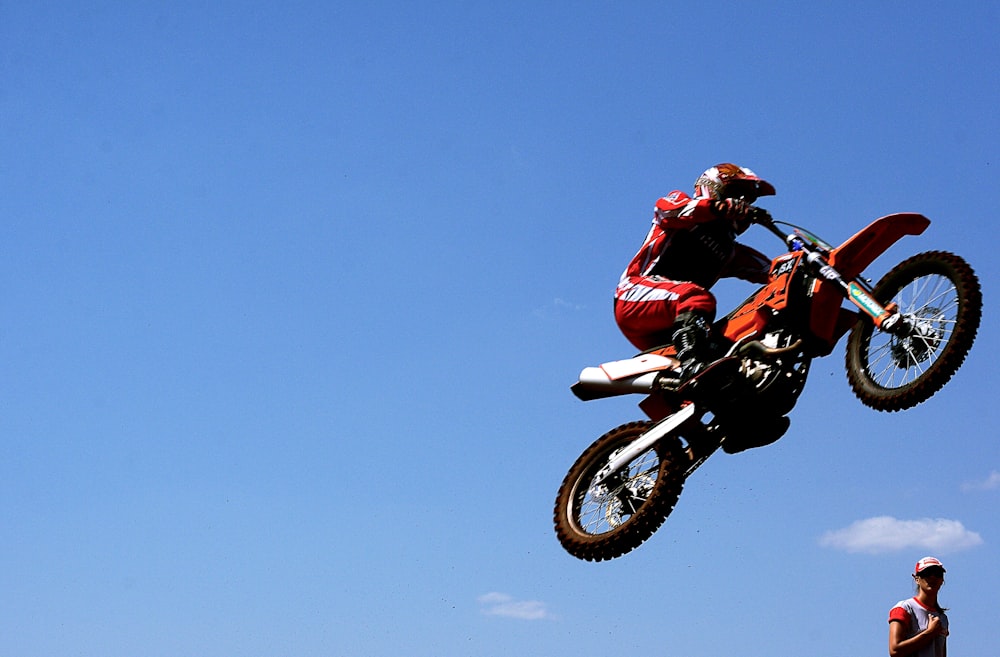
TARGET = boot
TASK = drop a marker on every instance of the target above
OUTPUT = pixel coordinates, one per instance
(690, 336)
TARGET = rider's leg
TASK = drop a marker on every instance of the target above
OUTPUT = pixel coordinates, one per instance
(691, 336)
(647, 307)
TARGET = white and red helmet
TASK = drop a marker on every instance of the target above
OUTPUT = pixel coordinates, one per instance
(732, 181)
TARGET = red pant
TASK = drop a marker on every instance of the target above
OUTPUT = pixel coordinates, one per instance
(646, 306)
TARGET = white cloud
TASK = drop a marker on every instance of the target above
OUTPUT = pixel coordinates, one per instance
(562, 303)
(501, 604)
(558, 308)
(990, 483)
(888, 534)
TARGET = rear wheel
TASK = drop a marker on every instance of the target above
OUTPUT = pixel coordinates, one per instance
(598, 521)
(940, 300)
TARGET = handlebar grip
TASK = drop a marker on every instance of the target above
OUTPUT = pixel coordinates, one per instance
(760, 216)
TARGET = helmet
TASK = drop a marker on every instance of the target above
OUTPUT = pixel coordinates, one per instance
(732, 181)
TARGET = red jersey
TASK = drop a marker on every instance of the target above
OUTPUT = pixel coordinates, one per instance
(690, 242)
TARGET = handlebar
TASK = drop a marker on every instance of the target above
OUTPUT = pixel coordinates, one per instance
(763, 218)
(798, 240)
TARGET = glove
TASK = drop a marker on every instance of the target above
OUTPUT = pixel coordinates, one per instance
(736, 210)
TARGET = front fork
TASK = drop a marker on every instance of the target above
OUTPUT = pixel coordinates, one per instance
(886, 318)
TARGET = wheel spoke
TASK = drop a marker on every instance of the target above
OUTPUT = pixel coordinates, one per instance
(609, 505)
(939, 300)
(930, 305)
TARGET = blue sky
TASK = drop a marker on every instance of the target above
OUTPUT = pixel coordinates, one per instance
(292, 295)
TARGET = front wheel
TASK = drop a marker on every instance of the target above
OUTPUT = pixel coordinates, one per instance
(602, 521)
(941, 304)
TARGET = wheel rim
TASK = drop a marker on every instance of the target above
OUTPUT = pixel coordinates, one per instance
(929, 305)
(606, 506)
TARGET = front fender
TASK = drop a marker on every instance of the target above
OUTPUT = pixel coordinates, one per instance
(853, 256)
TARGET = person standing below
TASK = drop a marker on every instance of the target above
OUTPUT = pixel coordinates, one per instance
(918, 627)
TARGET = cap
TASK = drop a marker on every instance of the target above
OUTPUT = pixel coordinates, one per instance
(927, 562)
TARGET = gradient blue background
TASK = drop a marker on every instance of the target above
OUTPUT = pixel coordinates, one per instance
(292, 295)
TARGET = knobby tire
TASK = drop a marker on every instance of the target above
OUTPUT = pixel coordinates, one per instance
(878, 374)
(591, 538)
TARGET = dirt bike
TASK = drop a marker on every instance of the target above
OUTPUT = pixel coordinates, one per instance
(908, 335)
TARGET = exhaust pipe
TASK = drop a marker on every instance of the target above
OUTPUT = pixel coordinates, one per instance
(594, 383)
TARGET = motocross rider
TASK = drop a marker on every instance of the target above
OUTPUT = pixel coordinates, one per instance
(663, 295)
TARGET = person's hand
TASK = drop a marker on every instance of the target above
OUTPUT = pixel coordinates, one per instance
(935, 627)
(736, 211)
(732, 208)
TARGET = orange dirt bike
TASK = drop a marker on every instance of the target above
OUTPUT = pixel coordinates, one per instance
(908, 335)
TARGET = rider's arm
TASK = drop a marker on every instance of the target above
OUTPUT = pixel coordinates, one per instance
(749, 264)
(678, 210)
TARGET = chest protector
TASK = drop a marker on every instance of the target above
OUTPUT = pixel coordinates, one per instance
(698, 255)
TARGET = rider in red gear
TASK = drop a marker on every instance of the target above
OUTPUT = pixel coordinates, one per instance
(663, 296)
(691, 245)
